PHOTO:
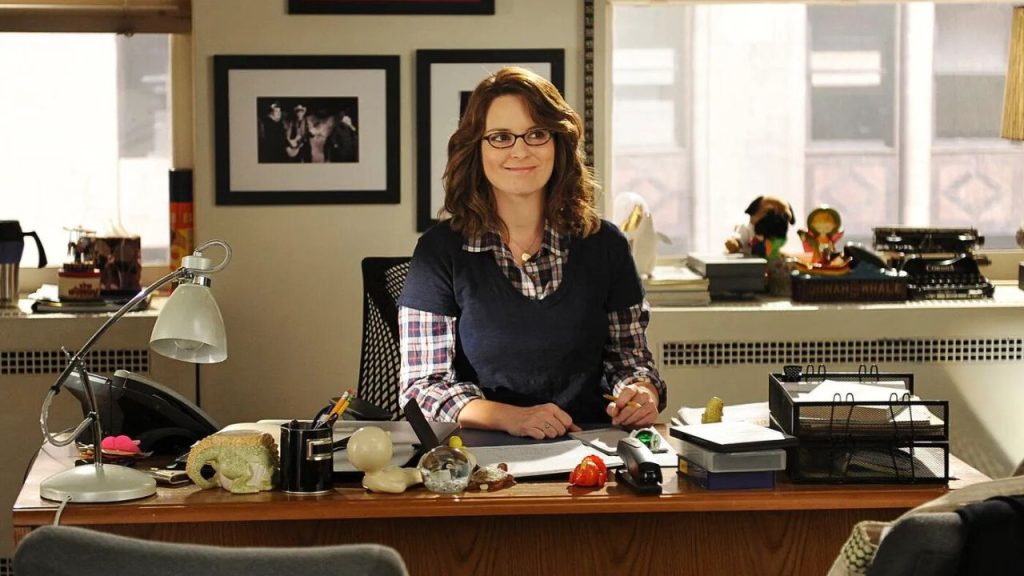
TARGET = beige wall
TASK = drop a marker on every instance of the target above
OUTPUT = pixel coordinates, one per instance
(292, 297)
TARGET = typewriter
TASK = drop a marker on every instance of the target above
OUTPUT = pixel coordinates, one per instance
(940, 262)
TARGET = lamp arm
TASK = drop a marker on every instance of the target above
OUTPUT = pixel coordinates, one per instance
(76, 363)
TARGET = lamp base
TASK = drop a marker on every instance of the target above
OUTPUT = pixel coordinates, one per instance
(108, 483)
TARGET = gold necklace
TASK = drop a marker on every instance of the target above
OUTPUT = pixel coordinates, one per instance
(526, 254)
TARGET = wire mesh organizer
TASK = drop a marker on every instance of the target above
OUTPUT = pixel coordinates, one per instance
(859, 427)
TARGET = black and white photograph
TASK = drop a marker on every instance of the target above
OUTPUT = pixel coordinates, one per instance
(390, 7)
(444, 81)
(306, 129)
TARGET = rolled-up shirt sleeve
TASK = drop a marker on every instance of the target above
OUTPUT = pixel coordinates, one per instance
(627, 358)
(427, 343)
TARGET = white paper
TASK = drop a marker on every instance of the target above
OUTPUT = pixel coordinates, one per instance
(538, 459)
(726, 433)
(755, 413)
(827, 390)
(607, 439)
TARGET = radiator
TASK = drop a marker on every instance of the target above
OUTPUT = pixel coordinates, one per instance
(968, 352)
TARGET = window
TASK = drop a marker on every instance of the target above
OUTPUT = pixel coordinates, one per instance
(888, 112)
(86, 137)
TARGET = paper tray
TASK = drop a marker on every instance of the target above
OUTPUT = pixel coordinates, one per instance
(869, 463)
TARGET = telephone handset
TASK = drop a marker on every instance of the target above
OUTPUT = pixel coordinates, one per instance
(163, 421)
(859, 253)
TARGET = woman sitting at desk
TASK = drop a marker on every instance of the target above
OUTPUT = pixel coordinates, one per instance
(524, 309)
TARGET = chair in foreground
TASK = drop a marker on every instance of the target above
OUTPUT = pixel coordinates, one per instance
(381, 360)
(68, 551)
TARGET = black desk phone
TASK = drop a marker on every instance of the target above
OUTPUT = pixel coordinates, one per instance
(163, 421)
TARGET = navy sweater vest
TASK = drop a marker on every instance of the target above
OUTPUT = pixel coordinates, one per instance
(522, 351)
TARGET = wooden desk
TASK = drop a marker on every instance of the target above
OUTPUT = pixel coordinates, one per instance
(531, 528)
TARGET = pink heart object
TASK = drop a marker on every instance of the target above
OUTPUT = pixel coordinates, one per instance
(121, 444)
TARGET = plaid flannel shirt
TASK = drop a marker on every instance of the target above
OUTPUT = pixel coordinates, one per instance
(428, 339)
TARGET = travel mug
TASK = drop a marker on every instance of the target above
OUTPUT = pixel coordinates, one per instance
(12, 244)
(307, 458)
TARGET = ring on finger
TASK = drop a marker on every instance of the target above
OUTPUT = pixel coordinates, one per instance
(547, 426)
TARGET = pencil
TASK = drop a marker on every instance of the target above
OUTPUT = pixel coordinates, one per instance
(615, 399)
(339, 407)
(342, 404)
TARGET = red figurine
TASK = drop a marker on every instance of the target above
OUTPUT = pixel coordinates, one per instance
(591, 471)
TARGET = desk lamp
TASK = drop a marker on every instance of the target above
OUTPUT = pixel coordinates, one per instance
(189, 328)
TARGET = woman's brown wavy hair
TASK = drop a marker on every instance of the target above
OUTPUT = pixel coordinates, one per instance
(469, 199)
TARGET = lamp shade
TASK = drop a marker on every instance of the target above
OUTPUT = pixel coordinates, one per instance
(1013, 97)
(190, 327)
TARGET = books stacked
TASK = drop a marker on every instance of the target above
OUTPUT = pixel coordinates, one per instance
(730, 275)
(676, 286)
(730, 455)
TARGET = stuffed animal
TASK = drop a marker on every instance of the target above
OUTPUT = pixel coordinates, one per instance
(765, 232)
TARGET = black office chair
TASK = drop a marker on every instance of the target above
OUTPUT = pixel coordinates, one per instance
(68, 551)
(380, 360)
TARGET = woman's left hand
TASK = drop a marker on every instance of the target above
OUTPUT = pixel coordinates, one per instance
(636, 406)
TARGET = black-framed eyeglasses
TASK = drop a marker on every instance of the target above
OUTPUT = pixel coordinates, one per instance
(535, 137)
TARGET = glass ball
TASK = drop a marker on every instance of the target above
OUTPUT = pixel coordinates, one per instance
(445, 470)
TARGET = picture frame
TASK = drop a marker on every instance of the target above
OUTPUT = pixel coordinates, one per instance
(306, 129)
(444, 80)
(390, 7)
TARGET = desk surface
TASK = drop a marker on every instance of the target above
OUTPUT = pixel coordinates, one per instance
(545, 497)
(791, 529)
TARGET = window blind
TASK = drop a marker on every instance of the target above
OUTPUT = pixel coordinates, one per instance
(843, 2)
(120, 16)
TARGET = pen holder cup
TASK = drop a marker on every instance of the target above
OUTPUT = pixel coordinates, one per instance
(307, 458)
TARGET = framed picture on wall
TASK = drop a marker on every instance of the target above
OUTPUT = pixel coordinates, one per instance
(444, 81)
(306, 129)
(391, 6)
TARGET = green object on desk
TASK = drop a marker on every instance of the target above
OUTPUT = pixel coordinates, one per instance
(646, 437)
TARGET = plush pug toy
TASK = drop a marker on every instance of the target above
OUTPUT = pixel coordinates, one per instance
(765, 232)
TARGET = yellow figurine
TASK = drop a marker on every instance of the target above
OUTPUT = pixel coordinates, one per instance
(456, 443)
(713, 411)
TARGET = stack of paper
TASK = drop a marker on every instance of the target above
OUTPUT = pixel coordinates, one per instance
(731, 455)
(676, 286)
(540, 459)
(733, 436)
(858, 414)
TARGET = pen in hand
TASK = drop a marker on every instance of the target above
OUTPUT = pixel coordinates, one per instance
(631, 403)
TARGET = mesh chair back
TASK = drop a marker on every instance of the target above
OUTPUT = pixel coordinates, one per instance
(381, 359)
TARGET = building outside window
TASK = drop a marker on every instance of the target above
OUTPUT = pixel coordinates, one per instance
(86, 126)
(888, 112)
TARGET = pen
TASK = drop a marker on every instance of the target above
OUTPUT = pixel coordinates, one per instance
(615, 399)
